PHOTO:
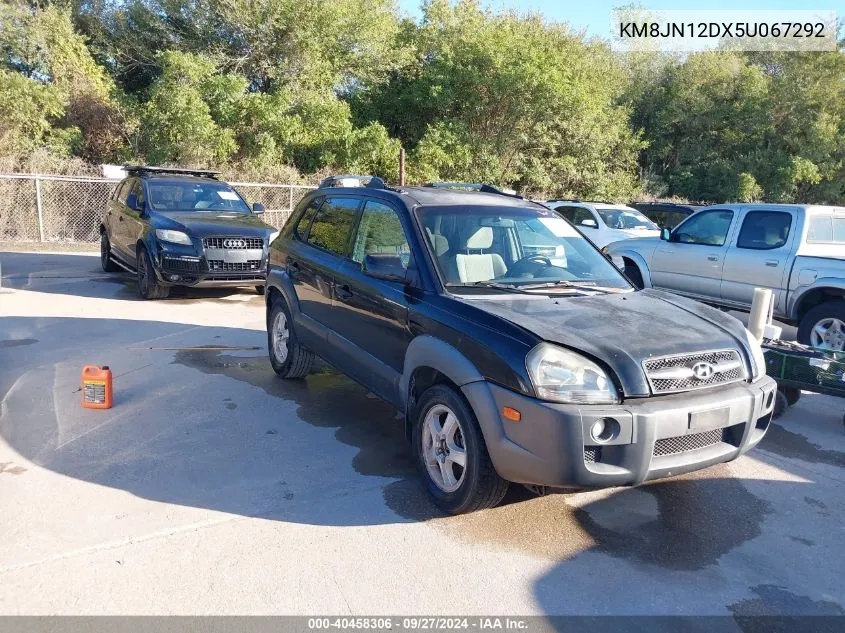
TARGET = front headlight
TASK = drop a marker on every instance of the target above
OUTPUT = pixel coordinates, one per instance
(273, 236)
(174, 237)
(758, 360)
(563, 376)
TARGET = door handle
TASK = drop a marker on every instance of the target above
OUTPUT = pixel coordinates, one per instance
(713, 258)
(772, 262)
(293, 268)
(343, 292)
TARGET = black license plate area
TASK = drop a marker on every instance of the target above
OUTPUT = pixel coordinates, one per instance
(710, 419)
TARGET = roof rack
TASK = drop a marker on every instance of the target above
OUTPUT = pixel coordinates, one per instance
(373, 182)
(474, 186)
(564, 200)
(134, 170)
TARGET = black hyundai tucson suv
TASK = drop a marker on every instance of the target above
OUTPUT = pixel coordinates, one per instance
(516, 351)
(183, 227)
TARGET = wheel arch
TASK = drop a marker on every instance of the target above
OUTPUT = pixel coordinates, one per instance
(821, 292)
(635, 259)
(430, 361)
(279, 285)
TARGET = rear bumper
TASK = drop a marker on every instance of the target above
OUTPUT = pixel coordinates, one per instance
(657, 437)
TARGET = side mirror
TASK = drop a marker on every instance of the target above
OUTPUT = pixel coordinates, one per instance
(384, 266)
(666, 235)
(132, 202)
(590, 222)
(257, 208)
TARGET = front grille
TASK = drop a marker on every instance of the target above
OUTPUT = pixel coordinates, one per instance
(233, 242)
(688, 372)
(181, 264)
(592, 454)
(215, 265)
(683, 443)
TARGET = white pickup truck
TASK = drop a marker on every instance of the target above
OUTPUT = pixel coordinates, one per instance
(721, 253)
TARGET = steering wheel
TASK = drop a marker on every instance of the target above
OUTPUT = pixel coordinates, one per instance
(516, 267)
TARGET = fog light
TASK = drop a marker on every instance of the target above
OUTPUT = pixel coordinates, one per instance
(174, 278)
(604, 430)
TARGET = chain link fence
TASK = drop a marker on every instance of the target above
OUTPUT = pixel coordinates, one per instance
(67, 209)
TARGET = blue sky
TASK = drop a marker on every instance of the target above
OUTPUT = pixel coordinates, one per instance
(594, 15)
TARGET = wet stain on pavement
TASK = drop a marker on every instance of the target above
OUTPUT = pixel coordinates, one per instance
(775, 600)
(803, 541)
(815, 502)
(326, 399)
(676, 523)
(794, 446)
(229, 404)
(17, 342)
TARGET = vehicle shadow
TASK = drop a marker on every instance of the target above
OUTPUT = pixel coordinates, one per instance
(82, 276)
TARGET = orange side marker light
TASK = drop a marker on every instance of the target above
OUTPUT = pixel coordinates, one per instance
(511, 414)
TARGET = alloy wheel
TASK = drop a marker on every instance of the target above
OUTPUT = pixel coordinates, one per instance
(828, 334)
(281, 334)
(443, 448)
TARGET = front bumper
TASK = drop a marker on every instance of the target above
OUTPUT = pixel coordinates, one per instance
(658, 436)
(183, 265)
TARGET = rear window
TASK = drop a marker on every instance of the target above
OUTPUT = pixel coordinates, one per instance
(826, 229)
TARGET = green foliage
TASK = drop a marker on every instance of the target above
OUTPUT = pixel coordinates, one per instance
(282, 87)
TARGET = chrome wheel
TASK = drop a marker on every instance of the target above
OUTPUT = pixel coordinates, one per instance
(281, 334)
(828, 334)
(443, 448)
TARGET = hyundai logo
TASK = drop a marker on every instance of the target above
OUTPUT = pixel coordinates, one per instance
(234, 243)
(703, 371)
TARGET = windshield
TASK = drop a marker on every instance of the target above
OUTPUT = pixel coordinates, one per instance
(517, 246)
(626, 219)
(195, 196)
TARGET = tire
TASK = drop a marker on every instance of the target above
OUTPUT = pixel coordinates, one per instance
(830, 314)
(473, 486)
(148, 285)
(259, 290)
(288, 358)
(781, 405)
(105, 254)
(633, 273)
(792, 394)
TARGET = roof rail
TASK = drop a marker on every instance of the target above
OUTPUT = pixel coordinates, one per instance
(564, 200)
(134, 170)
(373, 182)
(474, 186)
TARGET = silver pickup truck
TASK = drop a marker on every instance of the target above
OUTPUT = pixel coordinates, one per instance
(721, 253)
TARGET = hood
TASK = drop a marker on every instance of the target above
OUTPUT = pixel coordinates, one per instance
(645, 246)
(621, 330)
(641, 233)
(205, 223)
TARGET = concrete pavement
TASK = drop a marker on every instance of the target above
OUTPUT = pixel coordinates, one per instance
(214, 487)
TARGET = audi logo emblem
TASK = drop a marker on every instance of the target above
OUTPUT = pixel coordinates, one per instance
(703, 371)
(234, 243)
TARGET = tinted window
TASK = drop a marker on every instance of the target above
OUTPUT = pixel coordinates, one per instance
(197, 195)
(301, 227)
(625, 219)
(138, 190)
(576, 215)
(709, 228)
(764, 230)
(333, 224)
(380, 232)
(125, 186)
(827, 229)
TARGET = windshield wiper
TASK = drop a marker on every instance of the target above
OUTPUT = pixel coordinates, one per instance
(490, 284)
(578, 285)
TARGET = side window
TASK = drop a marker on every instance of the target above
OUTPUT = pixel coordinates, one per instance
(764, 230)
(826, 229)
(332, 225)
(125, 186)
(138, 190)
(576, 215)
(301, 226)
(380, 233)
(709, 228)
